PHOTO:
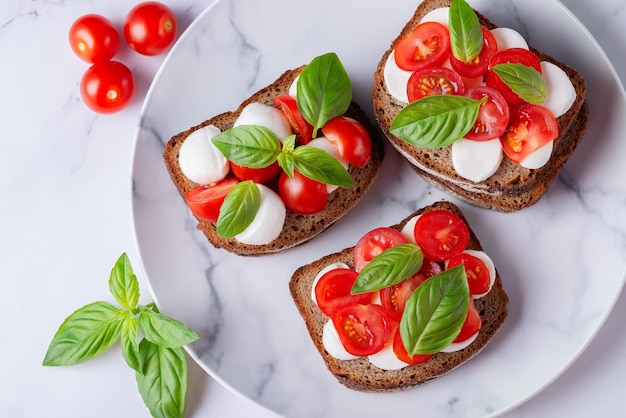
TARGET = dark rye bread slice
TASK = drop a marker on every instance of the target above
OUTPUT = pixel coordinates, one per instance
(297, 228)
(512, 187)
(360, 374)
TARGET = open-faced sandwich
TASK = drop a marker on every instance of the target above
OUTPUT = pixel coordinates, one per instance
(285, 165)
(406, 304)
(475, 110)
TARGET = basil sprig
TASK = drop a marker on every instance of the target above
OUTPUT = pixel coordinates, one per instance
(466, 36)
(388, 268)
(250, 146)
(435, 312)
(324, 90)
(239, 209)
(158, 360)
(436, 121)
(525, 81)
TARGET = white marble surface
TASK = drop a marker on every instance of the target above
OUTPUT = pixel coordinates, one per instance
(66, 220)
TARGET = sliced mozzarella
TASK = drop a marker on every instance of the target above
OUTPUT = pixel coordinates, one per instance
(293, 88)
(409, 229)
(386, 359)
(200, 160)
(268, 116)
(440, 15)
(323, 271)
(561, 92)
(539, 157)
(476, 160)
(268, 222)
(333, 344)
(460, 345)
(321, 142)
(508, 38)
(396, 79)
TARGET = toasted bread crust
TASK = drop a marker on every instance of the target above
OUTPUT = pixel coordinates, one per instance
(512, 187)
(360, 374)
(297, 228)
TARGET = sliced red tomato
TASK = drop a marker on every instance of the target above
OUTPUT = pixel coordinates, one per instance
(476, 271)
(289, 106)
(530, 127)
(257, 175)
(205, 201)
(493, 115)
(375, 242)
(426, 46)
(429, 268)
(393, 298)
(478, 66)
(332, 291)
(302, 194)
(351, 139)
(508, 56)
(471, 326)
(400, 351)
(441, 234)
(363, 329)
(434, 81)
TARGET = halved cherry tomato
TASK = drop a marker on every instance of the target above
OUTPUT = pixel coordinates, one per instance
(393, 298)
(289, 106)
(506, 56)
(257, 175)
(302, 194)
(375, 242)
(426, 46)
(471, 326)
(476, 271)
(493, 115)
(478, 66)
(530, 127)
(351, 139)
(400, 351)
(205, 201)
(94, 38)
(363, 329)
(441, 234)
(434, 81)
(332, 291)
(107, 87)
(150, 28)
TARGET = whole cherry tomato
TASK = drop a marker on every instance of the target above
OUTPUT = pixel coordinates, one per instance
(94, 38)
(150, 28)
(107, 87)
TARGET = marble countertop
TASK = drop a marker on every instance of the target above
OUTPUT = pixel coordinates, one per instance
(65, 222)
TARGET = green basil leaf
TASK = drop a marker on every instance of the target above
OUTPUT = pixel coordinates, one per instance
(388, 268)
(466, 36)
(324, 90)
(163, 384)
(436, 121)
(85, 334)
(163, 330)
(435, 311)
(239, 209)
(319, 165)
(250, 146)
(525, 81)
(130, 341)
(123, 283)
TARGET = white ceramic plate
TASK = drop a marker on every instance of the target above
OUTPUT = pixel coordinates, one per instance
(562, 261)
